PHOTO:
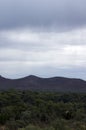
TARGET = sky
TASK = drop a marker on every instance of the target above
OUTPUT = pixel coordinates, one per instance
(45, 38)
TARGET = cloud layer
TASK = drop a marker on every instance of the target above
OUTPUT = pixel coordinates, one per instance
(42, 14)
(46, 38)
(28, 50)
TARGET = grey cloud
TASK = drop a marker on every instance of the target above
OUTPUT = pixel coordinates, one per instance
(32, 42)
(46, 13)
(51, 53)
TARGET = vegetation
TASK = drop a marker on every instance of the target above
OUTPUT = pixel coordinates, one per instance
(27, 110)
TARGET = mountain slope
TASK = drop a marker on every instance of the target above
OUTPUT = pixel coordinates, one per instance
(31, 82)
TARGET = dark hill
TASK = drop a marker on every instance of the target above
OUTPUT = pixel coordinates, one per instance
(31, 82)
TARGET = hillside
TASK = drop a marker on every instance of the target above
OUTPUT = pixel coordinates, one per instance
(31, 82)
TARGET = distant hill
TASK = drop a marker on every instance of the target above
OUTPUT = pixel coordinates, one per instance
(59, 84)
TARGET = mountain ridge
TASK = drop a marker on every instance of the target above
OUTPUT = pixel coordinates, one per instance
(32, 82)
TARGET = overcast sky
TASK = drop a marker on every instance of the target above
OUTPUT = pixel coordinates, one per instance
(43, 37)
